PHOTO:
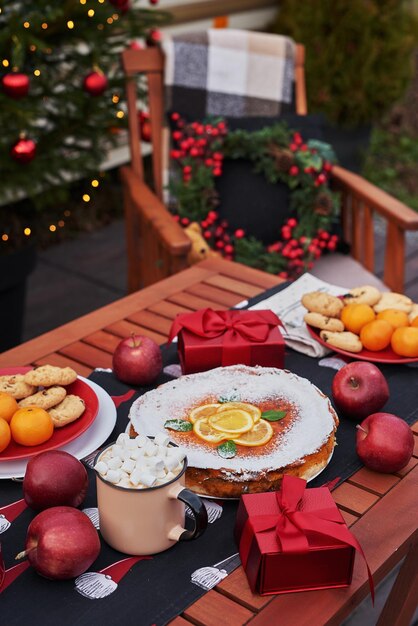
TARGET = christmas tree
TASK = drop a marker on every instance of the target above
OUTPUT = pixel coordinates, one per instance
(62, 89)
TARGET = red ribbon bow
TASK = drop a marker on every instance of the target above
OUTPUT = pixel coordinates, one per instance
(234, 326)
(291, 524)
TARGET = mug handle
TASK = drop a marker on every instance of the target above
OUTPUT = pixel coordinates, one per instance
(199, 513)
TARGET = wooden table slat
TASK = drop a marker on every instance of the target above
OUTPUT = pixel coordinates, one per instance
(195, 302)
(168, 309)
(416, 446)
(236, 286)
(217, 295)
(214, 609)
(87, 355)
(353, 499)
(103, 340)
(349, 518)
(150, 320)
(236, 587)
(373, 481)
(125, 328)
(412, 463)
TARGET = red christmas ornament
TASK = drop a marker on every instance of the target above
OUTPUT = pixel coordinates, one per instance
(154, 37)
(15, 85)
(136, 45)
(120, 4)
(23, 151)
(153, 1)
(144, 126)
(95, 83)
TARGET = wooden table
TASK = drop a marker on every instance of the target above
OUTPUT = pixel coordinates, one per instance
(381, 508)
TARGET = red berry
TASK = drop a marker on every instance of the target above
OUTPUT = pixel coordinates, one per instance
(185, 221)
(321, 179)
(177, 135)
(175, 116)
(294, 170)
(176, 218)
(219, 231)
(224, 224)
(219, 245)
(327, 166)
(293, 147)
(292, 222)
(187, 169)
(194, 152)
(213, 215)
(304, 147)
(218, 156)
(332, 245)
(174, 154)
(239, 233)
(209, 162)
(229, 249)
(283, 274)
(207, 234)
(217, 171)
(297, 138)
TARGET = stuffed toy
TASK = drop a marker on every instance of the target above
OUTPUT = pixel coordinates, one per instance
(200, 250)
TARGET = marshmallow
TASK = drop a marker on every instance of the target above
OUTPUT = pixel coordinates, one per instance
(137, 454)
(141, 441)
(147, 479)
(160, 473)
(169, 476)
(171, 462)
(113, 476)
(123, 437)
(150, 449)
(117, 450)
(128, 466)
(125, 482)
(179, 454)
(161, 439)
(162, 451)
(101, 467)
(155, 463)
(136, 476)
(130, 444)
(114, 463)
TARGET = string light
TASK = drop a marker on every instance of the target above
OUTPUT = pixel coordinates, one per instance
(70, 24)
(83, 1)
(115, 99)
(5, 237)
(120, 114)
(115, 16)
(44, 25)
(5, 63)
(52, 228)
(61, 223)
(26, 24)
(27, 232)
(101, 1)
(100, 27)
(37, 72)
(90, 12)
(94, 183)
(86, 197)
(109, 20)
(67, 213)
(32, 47)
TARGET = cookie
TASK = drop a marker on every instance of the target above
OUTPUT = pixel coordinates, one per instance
(392, 300)
(345, 340)
(67, 411)
(323, 322)
(48, 375)
(16, 386)
(324, 303)
(46, 399)
(413, 312)
(363, 295)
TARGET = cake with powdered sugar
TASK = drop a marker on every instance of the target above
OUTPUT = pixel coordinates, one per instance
(242, 427)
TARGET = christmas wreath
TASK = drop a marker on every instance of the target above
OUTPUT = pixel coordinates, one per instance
(281, 155)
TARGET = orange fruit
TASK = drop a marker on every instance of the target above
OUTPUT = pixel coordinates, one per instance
(5, 435)
(394, 317)
(31, 426)
(376, 335)
(355, 316)
(405, 341)
(8, 406)
(415, 321)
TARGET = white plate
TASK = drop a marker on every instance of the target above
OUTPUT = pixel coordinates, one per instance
(89, 441)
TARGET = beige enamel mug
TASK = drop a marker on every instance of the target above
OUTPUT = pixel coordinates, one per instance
(148, 520)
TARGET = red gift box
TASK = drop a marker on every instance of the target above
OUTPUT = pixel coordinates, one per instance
(208, 339)
(294, 540)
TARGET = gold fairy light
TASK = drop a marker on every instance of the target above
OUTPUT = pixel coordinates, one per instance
(26, 24)
(86, 197)
(95, 182)
(83, 1)
(5, 237)
(115, 98)
(37, 72)
(109, 20)
(27, 232)
(32, 47)
(90, 12)
(5, 63)
(44, 25)
(52, 228)
(70, 24)
(120, 114)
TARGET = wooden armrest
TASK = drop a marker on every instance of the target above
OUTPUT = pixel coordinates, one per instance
(380, 201)
(154, 212)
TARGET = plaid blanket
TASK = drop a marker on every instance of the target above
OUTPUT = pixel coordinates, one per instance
(229, 72)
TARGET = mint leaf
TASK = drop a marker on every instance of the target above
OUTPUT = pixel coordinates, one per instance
(232, 397)
(180, 425)
(273, 416)
(227, 449)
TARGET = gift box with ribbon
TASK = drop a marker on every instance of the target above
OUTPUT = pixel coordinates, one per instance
(294, 540)
(208, 339)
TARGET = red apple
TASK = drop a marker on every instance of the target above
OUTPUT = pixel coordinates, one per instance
(137, 360)
(385, 442)
(61, 543)
(359, 389)
(54, 478)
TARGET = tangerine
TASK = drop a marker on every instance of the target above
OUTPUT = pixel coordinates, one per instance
(395, 317)
(376, 335)
(8, 406)
(405, 341)
(31, 426)
(355, 316)
(5, 435)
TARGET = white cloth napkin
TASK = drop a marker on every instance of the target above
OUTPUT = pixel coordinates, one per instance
(287, 305)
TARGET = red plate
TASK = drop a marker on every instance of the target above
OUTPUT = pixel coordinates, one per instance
(62, 435)
(382, 356)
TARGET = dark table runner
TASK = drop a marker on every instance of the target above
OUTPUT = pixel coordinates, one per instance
(154, 591)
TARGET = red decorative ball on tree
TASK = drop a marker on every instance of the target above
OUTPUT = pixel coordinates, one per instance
(153, 37)
(23, 151)
(15, 85)
(119, 4)
(95, 83)
(144, 126)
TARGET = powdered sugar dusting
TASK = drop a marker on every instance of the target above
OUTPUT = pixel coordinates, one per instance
(313, 423)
